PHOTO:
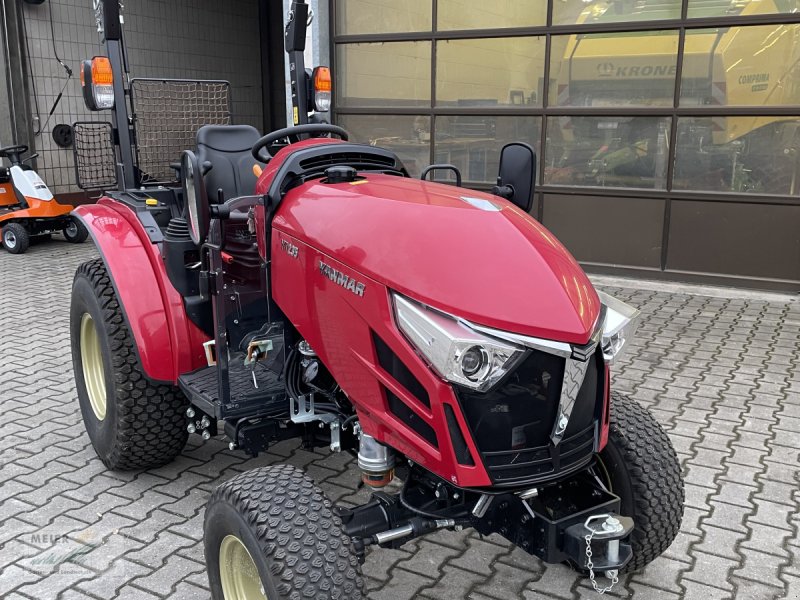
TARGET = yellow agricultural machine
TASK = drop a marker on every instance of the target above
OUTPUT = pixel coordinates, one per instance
(733, 66)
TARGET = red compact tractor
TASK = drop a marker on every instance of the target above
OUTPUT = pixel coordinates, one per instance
(315, 291)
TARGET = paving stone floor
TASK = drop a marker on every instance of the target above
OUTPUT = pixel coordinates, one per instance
(722, 374)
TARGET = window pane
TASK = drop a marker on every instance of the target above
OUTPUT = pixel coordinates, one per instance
(407, 136)
(384, 74)
(742, 66)
(738, 154)
(724, 8)
(571, 12)
(473, 143)
(607, 151)
(614, 69)
(489, 72)
(474, 14)
(382, 16)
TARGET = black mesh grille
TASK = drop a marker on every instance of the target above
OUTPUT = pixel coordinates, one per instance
(511, 425)
(403, 412)
(392, 364)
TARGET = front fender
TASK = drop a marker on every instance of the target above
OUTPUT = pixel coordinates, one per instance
(167, 343)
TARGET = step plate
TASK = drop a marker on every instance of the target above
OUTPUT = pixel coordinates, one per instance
(245, 400)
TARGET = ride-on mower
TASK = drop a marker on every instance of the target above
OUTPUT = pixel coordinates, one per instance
(440, 335)
(28, 208)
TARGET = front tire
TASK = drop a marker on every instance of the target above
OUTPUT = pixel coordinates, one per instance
(132, 422)
(271, 533)
(642, 468)
(75, 232)
(16, 238)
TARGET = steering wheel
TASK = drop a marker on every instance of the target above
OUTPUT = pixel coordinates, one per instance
(261, 153)
(12, 150)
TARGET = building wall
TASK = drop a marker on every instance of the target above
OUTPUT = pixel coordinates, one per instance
(667, 131)
(185, 39)
(6, 133)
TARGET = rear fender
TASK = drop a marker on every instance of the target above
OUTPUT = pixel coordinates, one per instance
(167, 342)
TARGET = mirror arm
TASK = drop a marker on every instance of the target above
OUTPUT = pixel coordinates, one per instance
(504, 191)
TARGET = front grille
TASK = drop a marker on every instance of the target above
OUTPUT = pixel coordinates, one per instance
(403, 412)
(511, 424)
(540, 463)
(463, 455)
(392, 364)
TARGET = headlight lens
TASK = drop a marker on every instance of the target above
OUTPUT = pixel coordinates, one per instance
(456, 352)
(619, 326)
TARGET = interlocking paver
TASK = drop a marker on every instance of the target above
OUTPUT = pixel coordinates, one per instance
(721, 373)
(170, 575)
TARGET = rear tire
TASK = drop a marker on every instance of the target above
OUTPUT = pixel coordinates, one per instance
(75, 232)
(132, 422)
(273, 529)
(16, 238)
(643, 470)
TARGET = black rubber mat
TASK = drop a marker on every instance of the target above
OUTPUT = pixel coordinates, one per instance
(245, 399)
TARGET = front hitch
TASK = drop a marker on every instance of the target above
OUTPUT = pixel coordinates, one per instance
(573, 521)
(596, 544)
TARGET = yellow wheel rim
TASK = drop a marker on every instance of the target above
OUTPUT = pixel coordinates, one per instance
(92, 363)
(237, 572)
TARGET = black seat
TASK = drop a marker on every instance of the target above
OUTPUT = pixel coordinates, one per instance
(227, 148)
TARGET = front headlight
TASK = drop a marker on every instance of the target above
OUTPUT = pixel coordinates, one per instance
(456, 352)
(619, 325)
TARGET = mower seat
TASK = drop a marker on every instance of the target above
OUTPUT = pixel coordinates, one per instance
(227, 148)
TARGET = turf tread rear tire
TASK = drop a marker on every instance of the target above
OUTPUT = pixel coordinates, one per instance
(646, 474)
(302, 545)
(150, 417)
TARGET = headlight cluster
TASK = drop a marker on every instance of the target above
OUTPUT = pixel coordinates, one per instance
(619, 325)
(468, 355)
(456, 352)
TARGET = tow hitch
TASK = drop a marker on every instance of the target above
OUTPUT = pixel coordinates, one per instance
(601, 534)
(596, 544)
(574, 521)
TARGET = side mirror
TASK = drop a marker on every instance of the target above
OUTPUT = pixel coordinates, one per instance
(194, 197)
(516, 180)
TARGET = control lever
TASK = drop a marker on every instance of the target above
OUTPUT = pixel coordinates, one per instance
(256, 350)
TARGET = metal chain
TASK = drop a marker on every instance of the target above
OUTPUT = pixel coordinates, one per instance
(590, 566)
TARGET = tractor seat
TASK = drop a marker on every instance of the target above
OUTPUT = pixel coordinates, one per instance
(227, 148)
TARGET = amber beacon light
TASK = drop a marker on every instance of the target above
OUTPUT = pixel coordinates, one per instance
(97, 82)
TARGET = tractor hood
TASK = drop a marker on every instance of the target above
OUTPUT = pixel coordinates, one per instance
(467, 253)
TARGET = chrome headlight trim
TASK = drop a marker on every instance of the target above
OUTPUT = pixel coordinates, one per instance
(618, 326)
(562, 349)
(444, 339)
